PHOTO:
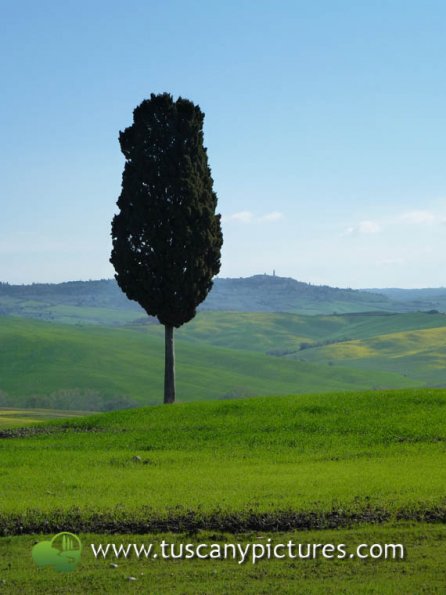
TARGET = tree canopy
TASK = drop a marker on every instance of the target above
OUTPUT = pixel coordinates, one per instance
(167, 236)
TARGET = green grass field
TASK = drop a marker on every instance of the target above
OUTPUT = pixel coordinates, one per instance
(331, 468)
(373, 455)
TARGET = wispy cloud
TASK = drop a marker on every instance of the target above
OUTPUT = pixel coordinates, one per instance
(249, 217)
(419, 217)
(363, 227)
(273, 216)
(241, 217)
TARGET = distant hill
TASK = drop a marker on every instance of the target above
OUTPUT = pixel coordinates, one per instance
(267, 293)
(428, 298)
(95, 302)
(102, 302)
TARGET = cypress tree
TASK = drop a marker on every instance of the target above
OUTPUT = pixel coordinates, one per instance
(167, 236)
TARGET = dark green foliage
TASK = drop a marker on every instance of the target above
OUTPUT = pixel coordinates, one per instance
(167, 237)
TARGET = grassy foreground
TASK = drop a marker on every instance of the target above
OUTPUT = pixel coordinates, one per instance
(301, 461)
(339, 468)
(421, 571)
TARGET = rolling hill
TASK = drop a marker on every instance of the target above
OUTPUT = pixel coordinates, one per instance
(93, 349)
(88, 367)
(417, 354)
(281, 333)
(219, 356)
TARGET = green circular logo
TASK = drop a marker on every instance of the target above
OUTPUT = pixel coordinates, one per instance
(62, 553)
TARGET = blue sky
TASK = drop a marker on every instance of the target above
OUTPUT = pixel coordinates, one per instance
(325, 126)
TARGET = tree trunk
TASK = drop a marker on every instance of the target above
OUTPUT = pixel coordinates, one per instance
(169, 366)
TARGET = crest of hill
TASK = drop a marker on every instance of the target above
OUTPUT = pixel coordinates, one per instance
(270, 293)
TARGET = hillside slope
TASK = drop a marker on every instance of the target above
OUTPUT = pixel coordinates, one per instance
(418, 354)
(95, 368)
(280, 332)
